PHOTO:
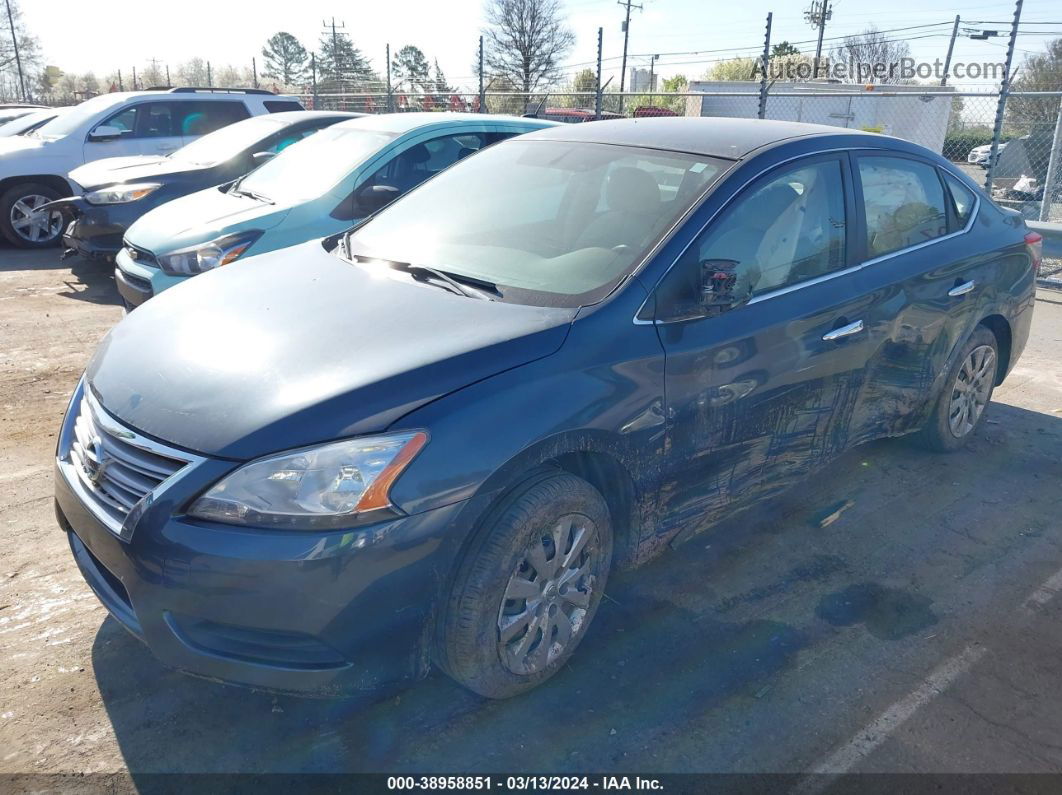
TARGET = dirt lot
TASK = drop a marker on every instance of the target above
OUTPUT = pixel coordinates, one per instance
(918, 632)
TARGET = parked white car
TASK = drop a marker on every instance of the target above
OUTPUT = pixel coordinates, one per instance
(979, 154)
(34, 168)
(31, 121)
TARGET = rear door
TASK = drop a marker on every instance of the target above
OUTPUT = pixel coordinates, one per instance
(920, 263)
(758, 395)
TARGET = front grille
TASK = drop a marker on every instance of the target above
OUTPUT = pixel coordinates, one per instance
(141, 256)
(136, 281)
(116, 467)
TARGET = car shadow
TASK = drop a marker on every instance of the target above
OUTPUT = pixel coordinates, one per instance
(92, 281)
(673, 641)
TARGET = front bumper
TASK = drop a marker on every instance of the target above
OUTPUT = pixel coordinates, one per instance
(138, 282)
(307, 613)
(96, 231)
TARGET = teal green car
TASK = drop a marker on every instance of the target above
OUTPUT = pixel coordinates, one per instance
(314, 188)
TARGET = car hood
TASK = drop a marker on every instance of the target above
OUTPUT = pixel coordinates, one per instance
(17, 144)
(199, 217)
(138, 168)
(298, 346)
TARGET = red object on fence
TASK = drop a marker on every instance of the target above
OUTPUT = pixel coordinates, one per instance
(456, 103)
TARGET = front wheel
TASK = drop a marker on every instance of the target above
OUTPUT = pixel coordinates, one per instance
(21, 222)
(960, 407)
(528, 587)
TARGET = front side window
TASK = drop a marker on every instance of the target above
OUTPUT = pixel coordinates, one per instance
(788, 228)
(421, 161)
(903, 201)
(548, 222)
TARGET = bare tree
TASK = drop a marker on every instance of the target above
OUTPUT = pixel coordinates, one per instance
(1039, 72)
(525, 41)
(872, 57)
(28, 51)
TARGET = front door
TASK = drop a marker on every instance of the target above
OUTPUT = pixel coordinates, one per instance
(759, 394)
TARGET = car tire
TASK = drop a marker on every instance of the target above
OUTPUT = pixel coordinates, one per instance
(13, 203)
(960, 407)
(518, 607)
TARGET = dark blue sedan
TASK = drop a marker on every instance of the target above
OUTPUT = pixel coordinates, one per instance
(429, 440)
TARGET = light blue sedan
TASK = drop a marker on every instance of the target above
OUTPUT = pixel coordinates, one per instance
(314, 188)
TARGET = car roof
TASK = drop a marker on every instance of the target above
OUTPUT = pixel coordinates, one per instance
(406, 122)
(296, 116)
(715, 137)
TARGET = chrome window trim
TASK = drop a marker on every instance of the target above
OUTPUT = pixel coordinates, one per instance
(112, 426)
(818, 279)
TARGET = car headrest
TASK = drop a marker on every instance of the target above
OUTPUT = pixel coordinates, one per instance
(632, 190)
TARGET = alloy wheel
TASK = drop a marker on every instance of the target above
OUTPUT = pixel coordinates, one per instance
(546, 600)
(970, 392)
(33, 225)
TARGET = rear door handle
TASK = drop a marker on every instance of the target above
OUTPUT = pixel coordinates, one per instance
(843, 331)
(961, 289)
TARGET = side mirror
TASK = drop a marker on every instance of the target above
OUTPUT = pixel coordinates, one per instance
(719, 286)
(372, 198)
(261, 157)
(105, 133)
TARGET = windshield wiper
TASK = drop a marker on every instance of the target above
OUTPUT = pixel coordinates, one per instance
(251, 195)
(455, 282)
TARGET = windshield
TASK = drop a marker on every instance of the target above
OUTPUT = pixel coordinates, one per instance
(548, 222)
(65, 124)
(220, 145)
(314, 165)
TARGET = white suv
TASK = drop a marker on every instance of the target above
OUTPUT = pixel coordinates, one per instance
(153, 123)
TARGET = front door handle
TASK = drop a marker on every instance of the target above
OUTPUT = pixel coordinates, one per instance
(843, 331)
(961, 289)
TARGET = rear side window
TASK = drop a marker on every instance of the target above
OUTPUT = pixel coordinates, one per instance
(202, 117)
(903, 201)
(281, 105)
(962, 199)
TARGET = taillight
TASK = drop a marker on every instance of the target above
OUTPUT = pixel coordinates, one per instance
(1035, 243)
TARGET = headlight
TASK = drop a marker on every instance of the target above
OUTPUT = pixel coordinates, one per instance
(316, 488)
(121, 194)
(206, 256)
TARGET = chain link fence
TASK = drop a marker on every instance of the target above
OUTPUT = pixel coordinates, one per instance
(1026, 172)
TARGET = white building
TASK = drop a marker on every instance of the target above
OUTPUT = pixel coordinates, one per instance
(903, 111)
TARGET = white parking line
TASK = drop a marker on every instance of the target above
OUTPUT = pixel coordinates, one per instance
(877, 731)
(1047, 591)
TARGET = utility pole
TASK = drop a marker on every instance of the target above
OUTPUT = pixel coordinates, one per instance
(652, 76)
(254, 72)
(313, 78)
(18, 59)
(120, 86)
(482, 91)
(1001, 106)
(168, 83)
(391, 99)
(951, 47)
(134, 78)
(335, 45)
(816, 16)
(626, 37)
(597, 91)
(210, 76)
(762, 113)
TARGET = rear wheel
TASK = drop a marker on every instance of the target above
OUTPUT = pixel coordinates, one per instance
(528, 588)
(960, 408)
(21, 222)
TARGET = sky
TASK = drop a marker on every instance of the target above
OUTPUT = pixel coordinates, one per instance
(687, 34)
